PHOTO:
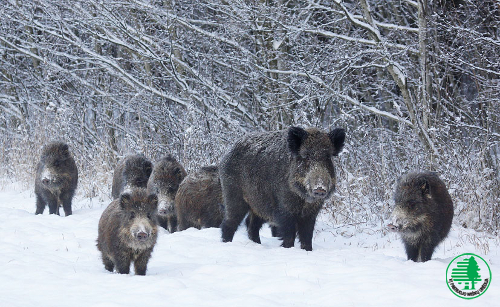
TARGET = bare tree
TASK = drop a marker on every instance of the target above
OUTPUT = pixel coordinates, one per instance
(416, 84)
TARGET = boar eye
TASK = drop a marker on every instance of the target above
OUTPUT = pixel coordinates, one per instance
(149, 216)
(412, 203)
(132, 215)
(171, 190)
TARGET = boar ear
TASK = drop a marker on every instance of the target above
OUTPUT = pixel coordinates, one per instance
(153, 200)
(337, 137)
(426, 189)
(180, 173)
(296, 136)
(183, 172)
(125, 200)
(148, 166)
(170, 158)
(65, 149)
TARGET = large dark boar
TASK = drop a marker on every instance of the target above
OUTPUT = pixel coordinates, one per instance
(198, 202)
(128, 232)
(422, 215)
(56, 179)
(282, 178)
(133, 171)
(164, 182)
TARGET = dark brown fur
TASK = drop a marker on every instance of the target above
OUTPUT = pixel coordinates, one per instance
(281, 177)
(128, 232)
(423, 214)
(164, 181)
(132, 171)
(56, 179)
(198, 202)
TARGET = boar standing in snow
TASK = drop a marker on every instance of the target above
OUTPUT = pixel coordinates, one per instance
(198, 202)
(56, 179)
(422, 215)
(127, 231)
(281, 177)
(164, 182)
(133, 171)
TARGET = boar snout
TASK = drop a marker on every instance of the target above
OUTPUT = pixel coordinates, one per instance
(320, 192)
(142, 236)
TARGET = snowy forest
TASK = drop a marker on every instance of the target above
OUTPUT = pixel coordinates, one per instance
(415, 83)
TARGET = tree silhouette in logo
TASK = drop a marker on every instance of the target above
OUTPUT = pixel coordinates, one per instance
(473, 272)
(466, 271)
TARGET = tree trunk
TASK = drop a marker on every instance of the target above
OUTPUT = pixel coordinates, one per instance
(425, 86)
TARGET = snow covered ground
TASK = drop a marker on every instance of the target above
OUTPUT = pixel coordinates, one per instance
(49, 260)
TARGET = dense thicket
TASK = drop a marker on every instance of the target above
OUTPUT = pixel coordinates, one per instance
(415, 84)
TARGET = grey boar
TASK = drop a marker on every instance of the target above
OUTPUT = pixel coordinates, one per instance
(56, 179)
(127, 231)
(281, 177)
(422, 215)
(133, 171)
(198, 202)
(164, 182)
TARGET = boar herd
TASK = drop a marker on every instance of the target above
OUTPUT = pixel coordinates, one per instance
(281, 178)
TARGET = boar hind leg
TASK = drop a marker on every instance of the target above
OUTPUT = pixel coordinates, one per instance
(53, 203)
(182, 223)
(66, 203)
(40, 204)
(108, 263)
(254, 224)
(236, 209)
(425, 252)
(274, 231)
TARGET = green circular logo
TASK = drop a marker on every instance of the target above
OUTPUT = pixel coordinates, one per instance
(468, 276)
